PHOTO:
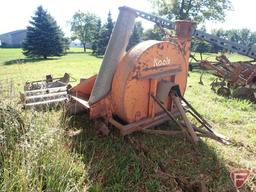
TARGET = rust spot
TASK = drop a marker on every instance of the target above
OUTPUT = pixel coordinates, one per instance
(160, 46)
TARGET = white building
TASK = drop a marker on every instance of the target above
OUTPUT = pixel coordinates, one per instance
(77, 43)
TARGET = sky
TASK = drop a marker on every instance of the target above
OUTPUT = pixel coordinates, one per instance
(15, 14)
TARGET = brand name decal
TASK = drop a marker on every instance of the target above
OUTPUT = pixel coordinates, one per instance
(162, 62)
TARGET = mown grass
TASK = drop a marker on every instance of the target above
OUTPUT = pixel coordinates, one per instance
(14, 65)
(212, 57)
(54, 157)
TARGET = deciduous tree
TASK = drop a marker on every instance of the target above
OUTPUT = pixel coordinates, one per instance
(83, 27)
(193, 9)
(153, 34)
(241, 36)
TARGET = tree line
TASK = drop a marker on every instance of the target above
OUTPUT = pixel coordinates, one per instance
(45, 38)
(88, 28)
(243, 36)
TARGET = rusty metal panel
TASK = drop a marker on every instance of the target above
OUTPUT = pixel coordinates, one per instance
(149, 60)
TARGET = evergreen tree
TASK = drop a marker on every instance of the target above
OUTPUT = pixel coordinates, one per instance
(109, 25)
(104, 35)
(95, 43)
(103, 41)
(136, 36)
(44, 37)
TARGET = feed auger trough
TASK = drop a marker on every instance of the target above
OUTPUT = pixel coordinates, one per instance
(144, 87)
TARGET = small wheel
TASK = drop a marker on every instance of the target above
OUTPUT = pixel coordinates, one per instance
(244, 93)
(224, 91)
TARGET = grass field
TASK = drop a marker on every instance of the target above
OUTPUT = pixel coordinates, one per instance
(52, 156)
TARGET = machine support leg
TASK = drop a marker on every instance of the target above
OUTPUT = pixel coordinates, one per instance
(197, 115)
(189, 127)
(170, 116)
(190, 131)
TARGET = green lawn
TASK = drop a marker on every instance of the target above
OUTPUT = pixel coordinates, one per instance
(46, 159)
(14, 65)
(231, 57)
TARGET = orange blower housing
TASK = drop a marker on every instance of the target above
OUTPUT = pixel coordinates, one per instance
(137, 75)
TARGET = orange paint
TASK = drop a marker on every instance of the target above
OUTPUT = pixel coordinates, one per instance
(84, 88)
(138, 74)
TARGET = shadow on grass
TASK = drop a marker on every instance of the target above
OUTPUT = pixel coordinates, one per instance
(76, 52)
(99, 56)
(86, 53)
(27, 60)
(143, 162)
